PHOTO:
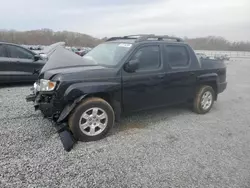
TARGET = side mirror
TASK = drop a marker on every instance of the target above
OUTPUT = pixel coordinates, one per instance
(131, 66)
(37, 57)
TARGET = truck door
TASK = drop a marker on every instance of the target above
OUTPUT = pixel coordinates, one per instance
(180, 81)
(144, 88)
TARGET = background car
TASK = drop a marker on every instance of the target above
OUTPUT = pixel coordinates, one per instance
(82, 52)
(202, 55)
(226, 57)
(222, 57)
(18, 64)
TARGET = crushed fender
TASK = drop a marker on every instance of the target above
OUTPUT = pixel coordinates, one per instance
(66, 137)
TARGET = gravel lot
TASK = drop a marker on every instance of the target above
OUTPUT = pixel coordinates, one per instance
(162, 148)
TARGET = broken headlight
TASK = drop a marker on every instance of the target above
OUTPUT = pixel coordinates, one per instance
(47, 85)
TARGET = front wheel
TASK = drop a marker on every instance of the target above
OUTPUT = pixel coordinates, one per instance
(91, 120)
(204, 99)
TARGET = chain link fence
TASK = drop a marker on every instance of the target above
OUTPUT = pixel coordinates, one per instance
(231, 54)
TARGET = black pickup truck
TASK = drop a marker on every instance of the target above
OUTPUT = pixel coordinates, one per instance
(124, 74)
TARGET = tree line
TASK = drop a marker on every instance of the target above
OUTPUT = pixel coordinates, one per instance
(217, 43)
(48, 36)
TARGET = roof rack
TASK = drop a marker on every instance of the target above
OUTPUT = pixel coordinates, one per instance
(124, 37)
(143, 37)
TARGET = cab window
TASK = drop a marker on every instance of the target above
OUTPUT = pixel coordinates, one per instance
(148, 57)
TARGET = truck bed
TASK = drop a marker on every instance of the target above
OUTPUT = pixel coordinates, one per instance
(212, 64)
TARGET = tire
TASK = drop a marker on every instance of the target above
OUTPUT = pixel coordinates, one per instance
(201, 106)
(86, 114)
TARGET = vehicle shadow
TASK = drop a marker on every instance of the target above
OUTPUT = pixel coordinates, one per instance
(144, 119)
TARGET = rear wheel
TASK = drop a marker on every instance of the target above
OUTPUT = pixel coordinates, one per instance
(91, 120)
(204, 99)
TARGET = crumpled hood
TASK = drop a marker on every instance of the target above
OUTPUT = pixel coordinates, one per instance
(62, 58)
(72, 66)
(89, 71)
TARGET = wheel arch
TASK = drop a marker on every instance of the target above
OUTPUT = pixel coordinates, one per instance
(212, 84)
(108, 97)
(210, 79)
(116, 105)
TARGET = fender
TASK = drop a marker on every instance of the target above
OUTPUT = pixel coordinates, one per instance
(77, 92)
(208, 77)
(79, 89)
(211, 79)
(69, 108)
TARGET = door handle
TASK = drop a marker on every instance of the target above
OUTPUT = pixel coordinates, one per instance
(191, 73)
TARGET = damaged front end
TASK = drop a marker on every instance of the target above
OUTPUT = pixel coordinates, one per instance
(32, 96)
(51, 95)
(51, 108)
(43, 101)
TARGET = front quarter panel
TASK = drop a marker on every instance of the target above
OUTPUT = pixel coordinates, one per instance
(76, 90)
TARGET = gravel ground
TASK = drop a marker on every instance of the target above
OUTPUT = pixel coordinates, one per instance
(162, 148)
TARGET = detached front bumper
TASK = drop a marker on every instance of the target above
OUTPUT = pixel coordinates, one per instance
(50, 105)
(31, 98)
(222, 87)
(50, 111)
(47, 108)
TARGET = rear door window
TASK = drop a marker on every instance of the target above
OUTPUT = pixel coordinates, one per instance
(18, 52)
(177, 56)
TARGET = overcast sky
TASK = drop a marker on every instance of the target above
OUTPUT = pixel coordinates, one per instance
(99, 18)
